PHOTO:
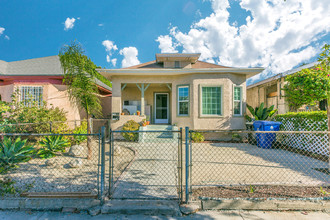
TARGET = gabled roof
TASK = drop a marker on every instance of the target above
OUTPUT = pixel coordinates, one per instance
(154, 65)
(44, 66)
(280, 75)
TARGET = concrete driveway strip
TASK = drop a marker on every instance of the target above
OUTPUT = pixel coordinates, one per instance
(153, 173)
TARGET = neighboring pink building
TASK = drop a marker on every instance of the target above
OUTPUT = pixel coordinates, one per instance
(41, 79)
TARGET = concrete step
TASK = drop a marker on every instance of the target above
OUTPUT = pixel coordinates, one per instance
(146, 207)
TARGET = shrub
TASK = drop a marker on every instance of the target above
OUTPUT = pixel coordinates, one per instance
(51, 145)
(131, 126)
(197, 137)
(306, 121)
(14, 152)
(82, 129)
(260, 113)
(41, 116)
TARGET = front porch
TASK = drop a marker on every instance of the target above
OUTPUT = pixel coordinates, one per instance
(149, 100)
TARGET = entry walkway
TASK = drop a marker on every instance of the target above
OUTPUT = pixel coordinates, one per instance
(152, 174)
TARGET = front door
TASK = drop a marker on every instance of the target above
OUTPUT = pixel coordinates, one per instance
(161, 108)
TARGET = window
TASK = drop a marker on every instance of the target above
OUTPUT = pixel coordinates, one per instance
(183, 100)
(237, 100)
(30, 94)
(176, 64)
(211, 100)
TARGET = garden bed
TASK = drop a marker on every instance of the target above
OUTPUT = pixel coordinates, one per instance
(36, 176)
(261, 192)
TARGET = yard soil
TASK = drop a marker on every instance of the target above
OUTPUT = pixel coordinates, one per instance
(35, 176)
(261, 192)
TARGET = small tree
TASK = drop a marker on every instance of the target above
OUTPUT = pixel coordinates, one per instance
(309, 86)
(79, 75)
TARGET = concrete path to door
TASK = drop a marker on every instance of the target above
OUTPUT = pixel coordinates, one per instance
(152, 175)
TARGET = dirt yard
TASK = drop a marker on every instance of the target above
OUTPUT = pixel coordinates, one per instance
(56, 175)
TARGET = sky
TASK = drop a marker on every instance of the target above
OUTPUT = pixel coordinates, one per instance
(275, 34)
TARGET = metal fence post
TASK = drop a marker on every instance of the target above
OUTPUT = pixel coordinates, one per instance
(102, 163)
(187, 164)
(110, 161)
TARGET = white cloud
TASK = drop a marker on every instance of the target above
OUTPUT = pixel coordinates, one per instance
(69, 23)
(130, 56)
(166, 44)
(7, 37)
(110, 47)
(100, 25)
(2, 30)
(114, 61)
(278, 35)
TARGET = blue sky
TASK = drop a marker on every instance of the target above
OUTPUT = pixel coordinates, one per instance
(276, 34)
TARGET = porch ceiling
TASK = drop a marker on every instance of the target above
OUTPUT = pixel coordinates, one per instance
(152, 85)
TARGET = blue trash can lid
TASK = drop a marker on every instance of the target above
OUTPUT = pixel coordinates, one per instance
(267, 123)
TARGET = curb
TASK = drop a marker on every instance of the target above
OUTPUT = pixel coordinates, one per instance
(265, 205)
(47, 204)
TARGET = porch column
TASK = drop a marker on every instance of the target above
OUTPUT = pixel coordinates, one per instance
(142, 89)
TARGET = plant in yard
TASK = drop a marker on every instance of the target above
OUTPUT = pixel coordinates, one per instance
(252, 189)
(260, 113)
(197, 137)
(131, 126)
(82, 129)
(50, 145)
(7, 187)
(79, 76)
(13, 152)
(323, 191)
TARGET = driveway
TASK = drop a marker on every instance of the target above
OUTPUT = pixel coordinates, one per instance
(152, 174)
(242, 163)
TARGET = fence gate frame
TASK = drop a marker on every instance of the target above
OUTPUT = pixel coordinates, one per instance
(179, 163)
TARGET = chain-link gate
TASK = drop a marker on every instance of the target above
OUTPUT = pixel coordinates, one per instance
(146, 164)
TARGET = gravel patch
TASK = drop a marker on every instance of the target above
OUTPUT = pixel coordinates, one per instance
(261, 192)
(58, 176)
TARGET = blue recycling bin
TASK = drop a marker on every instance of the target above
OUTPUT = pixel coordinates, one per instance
(265, 140)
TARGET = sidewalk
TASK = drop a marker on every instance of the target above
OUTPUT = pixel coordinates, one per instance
(232, 215)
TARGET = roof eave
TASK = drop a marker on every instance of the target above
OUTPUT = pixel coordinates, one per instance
(121, 72)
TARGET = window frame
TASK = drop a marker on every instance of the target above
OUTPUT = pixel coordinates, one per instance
(177, 100)
(201, 101)
(177, 64)
(241, 101)
(22, 97)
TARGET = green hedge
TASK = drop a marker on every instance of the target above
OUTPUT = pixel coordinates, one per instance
(307, 121)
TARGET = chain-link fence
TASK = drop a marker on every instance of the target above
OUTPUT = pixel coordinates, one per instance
(52, 165)
(72, 126)
(248, 164)
(146, 164)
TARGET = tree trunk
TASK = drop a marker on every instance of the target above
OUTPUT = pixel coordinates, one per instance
(89, 146)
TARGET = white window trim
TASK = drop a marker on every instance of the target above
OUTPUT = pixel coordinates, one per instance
(178, 101)
(241, 102)
(201, 104)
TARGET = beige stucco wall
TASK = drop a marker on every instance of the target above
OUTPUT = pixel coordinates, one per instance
(258, 94)
(6, 92)
(54, 95)
(194, 120)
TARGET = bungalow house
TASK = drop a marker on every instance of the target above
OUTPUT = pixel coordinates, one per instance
(179, 89)
(269, 91)
(41, 79)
